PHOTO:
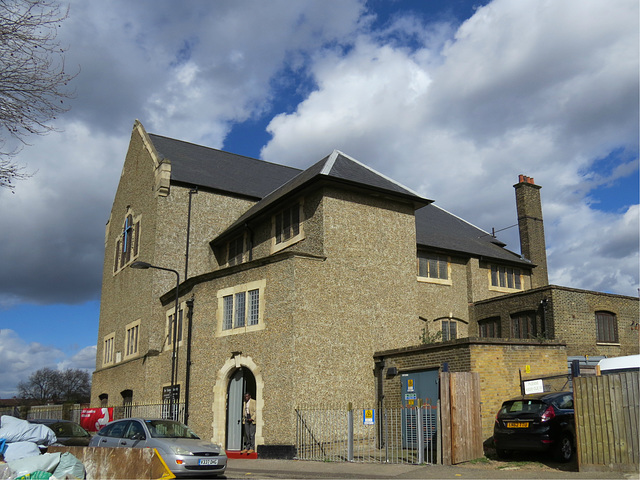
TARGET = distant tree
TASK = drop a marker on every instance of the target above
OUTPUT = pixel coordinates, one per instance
(57, 386)
(75, 386)
(33, 81)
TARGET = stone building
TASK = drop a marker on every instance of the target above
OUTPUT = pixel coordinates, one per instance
(285, 283)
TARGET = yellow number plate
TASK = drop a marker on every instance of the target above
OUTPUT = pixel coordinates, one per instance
(517, 424)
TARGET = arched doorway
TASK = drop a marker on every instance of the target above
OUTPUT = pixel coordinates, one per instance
(241, 381)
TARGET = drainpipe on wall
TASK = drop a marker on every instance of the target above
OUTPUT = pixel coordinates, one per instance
(188, 366)
(192, 192)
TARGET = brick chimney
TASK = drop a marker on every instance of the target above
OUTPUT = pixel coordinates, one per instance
(532, 244)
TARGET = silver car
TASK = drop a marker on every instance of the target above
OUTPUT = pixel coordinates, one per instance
(183, 451)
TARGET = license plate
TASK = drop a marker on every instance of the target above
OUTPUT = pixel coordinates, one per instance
(208, 461)
(517, 424)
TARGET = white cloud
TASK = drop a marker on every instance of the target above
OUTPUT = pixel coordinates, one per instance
(540, 88)
(85, 359)
(20, 359)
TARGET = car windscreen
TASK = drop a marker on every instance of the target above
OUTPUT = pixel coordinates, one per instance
(517, 407)
(68, 429)
(169, 429)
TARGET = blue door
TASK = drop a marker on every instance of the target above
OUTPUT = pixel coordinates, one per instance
(418, 389)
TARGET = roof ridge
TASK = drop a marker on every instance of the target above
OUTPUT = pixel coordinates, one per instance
(328, 166)
(224, 151)
(373, 170)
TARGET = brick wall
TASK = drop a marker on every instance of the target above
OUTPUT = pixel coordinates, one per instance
(498, 363)
(569, 317)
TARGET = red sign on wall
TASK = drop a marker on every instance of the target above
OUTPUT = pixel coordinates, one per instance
(93, 419)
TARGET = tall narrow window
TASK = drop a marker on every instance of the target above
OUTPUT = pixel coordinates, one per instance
(127, 243)
(227, 322)
(132, 339)
(127, 239)
(606, 327)
(449, 330)
(108, 349)
(235, 251)
(240, 309)
(254, 307)
(171, 325)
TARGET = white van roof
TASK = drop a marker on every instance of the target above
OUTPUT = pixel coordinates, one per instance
(619, 363)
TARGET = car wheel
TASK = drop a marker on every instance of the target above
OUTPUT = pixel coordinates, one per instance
(564, 449)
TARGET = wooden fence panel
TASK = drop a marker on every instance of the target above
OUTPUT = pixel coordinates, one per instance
(460, 417)
(445, 417)
(607, 411)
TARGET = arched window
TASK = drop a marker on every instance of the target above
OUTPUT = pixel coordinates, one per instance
(127, 243)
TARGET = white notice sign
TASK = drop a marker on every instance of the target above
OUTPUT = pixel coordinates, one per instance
(533, 386)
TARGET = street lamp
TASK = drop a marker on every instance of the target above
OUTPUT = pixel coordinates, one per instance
(174, 355)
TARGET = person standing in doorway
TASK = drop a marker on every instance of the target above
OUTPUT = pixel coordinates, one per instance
(249, 422)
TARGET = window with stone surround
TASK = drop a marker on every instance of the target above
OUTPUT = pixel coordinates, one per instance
(489, 327)
(108, 350)
(606, 327)
(132, 338)
(127, 243)
(505, 279)
(434, 268)
(287, 226)
(240, 308)
(170, 325)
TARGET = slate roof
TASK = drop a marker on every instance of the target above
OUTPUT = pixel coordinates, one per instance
(436, 228)
(218, 170)
(268, 183)
(337, 167)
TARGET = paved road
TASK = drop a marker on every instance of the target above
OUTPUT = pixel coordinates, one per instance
(297, 469)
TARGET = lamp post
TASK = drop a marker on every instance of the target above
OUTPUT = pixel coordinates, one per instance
(174, 360)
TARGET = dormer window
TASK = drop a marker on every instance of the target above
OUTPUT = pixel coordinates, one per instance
(235, 251)
(287, 226)
(288, 223)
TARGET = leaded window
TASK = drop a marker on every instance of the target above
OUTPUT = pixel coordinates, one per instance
(433, 266)
(506, 277)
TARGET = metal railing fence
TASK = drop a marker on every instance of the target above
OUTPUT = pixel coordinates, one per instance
(73, 412)
(364, 435)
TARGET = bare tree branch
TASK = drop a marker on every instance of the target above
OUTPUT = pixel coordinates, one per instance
(33, 81)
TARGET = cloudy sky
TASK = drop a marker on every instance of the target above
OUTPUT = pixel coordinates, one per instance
(453, 98)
